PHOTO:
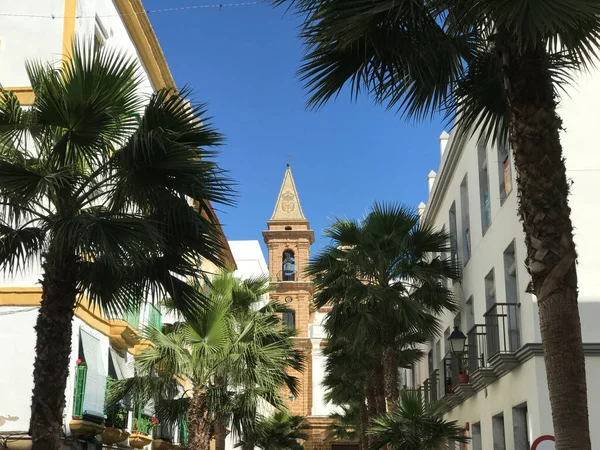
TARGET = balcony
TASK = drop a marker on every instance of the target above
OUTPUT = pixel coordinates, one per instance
(82, 424)
(124, 329)
(480, 372)
(503, 336)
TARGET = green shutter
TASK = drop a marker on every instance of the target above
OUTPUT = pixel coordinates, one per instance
(79, 394)
(183, 432)
(155, 317)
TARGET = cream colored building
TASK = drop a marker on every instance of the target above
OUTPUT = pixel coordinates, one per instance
(45, 30)
(505, 404)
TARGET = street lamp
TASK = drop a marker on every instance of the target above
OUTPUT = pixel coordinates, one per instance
(457, 341)
(291, 396)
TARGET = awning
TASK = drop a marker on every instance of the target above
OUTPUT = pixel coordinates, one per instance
(95, 385)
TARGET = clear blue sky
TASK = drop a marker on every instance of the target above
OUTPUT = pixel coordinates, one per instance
(243, 62)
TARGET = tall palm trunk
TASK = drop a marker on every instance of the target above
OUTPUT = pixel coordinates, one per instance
(379, 390)
(53, 350)
(543, 207)
(364, 426)
(390, 376)
(198, 423)
(220, 435)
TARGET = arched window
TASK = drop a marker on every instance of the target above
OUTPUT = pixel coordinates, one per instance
(288, 266)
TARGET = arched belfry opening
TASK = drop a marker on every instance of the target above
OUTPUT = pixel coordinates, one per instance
(288, 266)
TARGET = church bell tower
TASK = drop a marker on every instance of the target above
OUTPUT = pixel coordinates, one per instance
(288, 238)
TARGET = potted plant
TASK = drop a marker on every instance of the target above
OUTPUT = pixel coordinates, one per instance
(116, 423)
(141, 431)
(463, 376)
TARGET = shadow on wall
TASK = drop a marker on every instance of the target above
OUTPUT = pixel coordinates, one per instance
(9, 418)
(589, 311)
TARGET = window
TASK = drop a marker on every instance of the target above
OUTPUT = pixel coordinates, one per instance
(464, 213)
(520, 428)
(470, 313)
(95, 382)
(510, 274)
(504, 171)
(484, 187)
(512, 297)
(476, 436)
(288, 228)
(100, 34)
(453, 240)
(490, 290)
(289, 319)
(498, 432)
(446, 343)
(288, 266)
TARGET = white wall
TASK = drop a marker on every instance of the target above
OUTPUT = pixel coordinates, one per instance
(28, 38)
(250, 262)
(108, 16)
(18, 353)
(580, 114)
(16, 371)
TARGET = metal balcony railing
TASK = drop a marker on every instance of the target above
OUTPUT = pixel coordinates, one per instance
(142, 423)
(502, 328)
(451, 369)
(434, 386)
(477, 348)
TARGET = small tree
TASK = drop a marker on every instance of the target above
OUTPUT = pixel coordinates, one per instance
(415, 425)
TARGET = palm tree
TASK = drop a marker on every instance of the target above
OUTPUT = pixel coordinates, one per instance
(281, 431)
(175, 371)
(495, 68)
(415, 425)
(227, 358)
(95, 182)
(383, 284)
(349, 381)
(263, 379)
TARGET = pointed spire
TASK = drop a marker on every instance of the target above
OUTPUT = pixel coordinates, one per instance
(288, 204)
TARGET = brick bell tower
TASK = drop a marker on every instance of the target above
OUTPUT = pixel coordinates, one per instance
(288, 239)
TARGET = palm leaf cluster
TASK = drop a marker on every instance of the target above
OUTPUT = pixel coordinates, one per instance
(386, 283)
(99, 175)
(279, 431)
(224, 367)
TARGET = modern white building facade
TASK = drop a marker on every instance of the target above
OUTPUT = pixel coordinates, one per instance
(505, 404)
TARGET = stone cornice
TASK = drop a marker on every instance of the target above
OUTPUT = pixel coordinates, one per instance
(445, 171)
(528, 351)
(292, 286)
(272, 236)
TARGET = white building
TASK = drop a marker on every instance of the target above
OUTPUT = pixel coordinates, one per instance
(505, 405)
(44, 31)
